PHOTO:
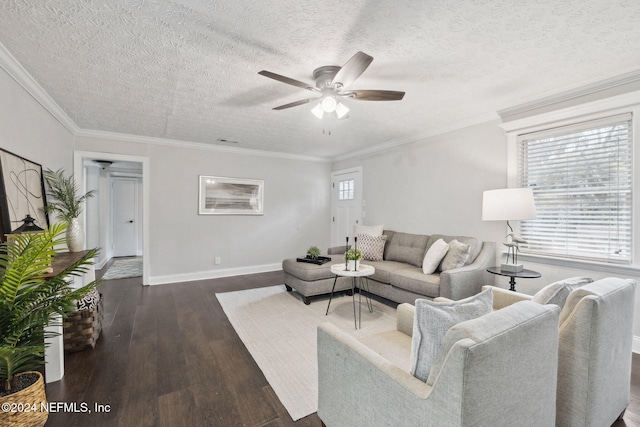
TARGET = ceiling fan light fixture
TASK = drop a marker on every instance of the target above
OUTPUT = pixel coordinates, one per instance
(341, 110)
(329, 104)
(318, 111)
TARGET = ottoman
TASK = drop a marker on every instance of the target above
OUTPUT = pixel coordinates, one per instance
(312, 279)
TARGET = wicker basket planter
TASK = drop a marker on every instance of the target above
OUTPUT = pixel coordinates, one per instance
(82, 328)
(27, 407)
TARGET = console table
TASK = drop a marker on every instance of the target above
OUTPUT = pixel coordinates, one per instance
(524, 274)
(54, 351)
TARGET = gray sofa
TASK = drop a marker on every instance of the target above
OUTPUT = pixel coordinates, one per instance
(399, 276)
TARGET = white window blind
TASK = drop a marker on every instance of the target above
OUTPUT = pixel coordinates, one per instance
(581, 176)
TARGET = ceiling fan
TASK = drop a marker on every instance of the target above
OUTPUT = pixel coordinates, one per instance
(331, 85)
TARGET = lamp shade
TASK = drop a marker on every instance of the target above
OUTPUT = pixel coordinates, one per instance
(508, 204)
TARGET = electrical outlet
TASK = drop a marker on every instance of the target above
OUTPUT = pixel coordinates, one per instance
(217, 260)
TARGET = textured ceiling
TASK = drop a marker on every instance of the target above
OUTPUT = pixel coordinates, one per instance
(188, 69)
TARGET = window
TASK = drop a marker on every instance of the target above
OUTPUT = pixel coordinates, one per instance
(346, 190)
(581, 177)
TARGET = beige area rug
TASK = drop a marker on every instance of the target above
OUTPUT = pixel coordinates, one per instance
(280, 333)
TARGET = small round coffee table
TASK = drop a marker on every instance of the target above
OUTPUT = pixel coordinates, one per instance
(523, 274)
(356, 283)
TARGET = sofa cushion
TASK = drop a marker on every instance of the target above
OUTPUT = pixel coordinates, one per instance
(409, 248)
(456, 256)
(384, 269)
(435, 254)
(371, 230)
(557, 292)
(431, 322)
(475, 244)
(372, 247)
(414, 280)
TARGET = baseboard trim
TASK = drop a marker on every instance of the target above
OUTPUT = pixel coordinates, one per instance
(635, 347)
(213, 274)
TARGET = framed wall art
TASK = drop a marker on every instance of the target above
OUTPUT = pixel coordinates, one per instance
(21, 193)
(230, 196)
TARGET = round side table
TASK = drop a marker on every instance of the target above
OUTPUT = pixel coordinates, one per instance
(524, 274)
(356, 283)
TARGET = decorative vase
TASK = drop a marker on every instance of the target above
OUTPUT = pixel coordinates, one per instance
(75, 236)
(353, 264)
(34, 397)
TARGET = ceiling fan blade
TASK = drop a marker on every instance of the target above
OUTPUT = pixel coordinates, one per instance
(296, 103)
(374, 95)
(352, 69)
(288, 80)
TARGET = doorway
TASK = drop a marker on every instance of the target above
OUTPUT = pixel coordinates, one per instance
(346, 204)
(130, 175)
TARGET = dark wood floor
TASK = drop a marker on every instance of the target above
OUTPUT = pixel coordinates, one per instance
(168, 356)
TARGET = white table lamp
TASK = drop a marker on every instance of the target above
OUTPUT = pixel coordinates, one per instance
(509, 204)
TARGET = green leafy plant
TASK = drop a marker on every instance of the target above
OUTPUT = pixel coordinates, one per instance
(29, 301)
(313, 252)
(353, 255)
(62, 194)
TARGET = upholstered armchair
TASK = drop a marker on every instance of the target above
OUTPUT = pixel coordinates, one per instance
(594, 365)
(499, 369)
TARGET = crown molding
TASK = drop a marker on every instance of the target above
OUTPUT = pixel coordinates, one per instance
(17, 72)
(440, 130)
(114, 136)
(591, 110)
(602, 88)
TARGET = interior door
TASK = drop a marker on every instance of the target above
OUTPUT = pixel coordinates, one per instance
(124, 210)
(346, 203)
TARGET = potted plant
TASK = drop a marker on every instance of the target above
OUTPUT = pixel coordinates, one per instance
(64, 200)
(29, 301)
(313, 252)
(353, 257)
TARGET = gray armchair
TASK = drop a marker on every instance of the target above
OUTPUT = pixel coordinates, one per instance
(594, 365)
(496, 370)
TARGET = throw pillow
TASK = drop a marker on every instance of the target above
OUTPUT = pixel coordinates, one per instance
(372, 247)
(433, 319)
(456, 256)
(557, 293)
(371, 230)
(434, 255)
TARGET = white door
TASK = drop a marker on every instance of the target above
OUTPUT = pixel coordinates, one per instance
(124, 214)
(346, 204)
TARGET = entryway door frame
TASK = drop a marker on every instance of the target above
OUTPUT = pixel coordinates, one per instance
(350, 210)
(79, 158)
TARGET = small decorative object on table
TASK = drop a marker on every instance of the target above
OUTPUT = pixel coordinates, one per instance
(353, 257)
(313, 252)
(318, 260)
(66, 202)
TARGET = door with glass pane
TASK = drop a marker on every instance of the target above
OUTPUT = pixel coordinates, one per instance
(346, 206)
